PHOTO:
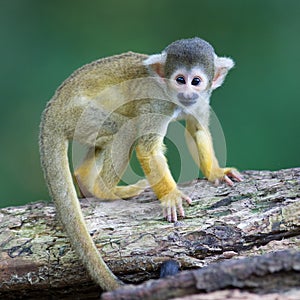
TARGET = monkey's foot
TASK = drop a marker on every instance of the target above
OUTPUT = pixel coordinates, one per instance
(132, 190)
(224, 174)
(172, 203)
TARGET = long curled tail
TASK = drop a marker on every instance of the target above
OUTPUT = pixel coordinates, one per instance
(55, 163)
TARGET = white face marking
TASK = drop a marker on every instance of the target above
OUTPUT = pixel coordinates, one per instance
(189, 85)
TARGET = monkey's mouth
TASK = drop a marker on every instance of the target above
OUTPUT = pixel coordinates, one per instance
(187, 102)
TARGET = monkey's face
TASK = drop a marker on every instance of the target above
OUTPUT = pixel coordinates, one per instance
(188, 86)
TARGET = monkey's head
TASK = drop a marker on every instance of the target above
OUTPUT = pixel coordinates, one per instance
(192, 69)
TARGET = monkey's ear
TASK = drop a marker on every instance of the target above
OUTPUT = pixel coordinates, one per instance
(222, 66)
(155, 64)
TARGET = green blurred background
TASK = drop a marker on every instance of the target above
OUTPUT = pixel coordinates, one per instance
(42, 42)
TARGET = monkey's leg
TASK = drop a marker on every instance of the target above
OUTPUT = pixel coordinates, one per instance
(99, 175)
(208, 162)
(150, 153)
(87, 172)
(128, 191)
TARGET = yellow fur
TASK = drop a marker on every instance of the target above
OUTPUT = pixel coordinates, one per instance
(157, 171)
(208, 162)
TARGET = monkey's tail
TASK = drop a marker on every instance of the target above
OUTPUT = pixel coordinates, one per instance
(55, 163)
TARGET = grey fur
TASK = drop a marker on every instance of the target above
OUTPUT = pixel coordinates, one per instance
(189, 53)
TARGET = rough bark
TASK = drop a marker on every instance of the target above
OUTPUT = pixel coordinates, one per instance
(257, 216)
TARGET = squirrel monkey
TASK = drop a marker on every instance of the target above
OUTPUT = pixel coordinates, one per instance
(122, 102)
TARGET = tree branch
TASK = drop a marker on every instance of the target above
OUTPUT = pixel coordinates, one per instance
(259, 215)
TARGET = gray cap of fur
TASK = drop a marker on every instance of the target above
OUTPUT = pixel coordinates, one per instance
(190, 53)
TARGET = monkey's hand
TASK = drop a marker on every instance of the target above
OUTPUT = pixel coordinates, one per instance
(224, 174)
(172, 202)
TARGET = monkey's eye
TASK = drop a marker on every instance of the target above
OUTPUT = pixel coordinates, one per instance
(180, 80)
(196, 81)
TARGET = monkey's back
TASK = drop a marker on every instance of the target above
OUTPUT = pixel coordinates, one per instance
(86, 84)
(92, 78)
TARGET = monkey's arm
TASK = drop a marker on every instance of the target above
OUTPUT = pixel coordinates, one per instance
(208, 162)
(150, 152)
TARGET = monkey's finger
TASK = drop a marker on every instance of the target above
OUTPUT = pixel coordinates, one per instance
(180, 210)
(165, 213)
(236, 175)
(216, 182)
(228, 180)
(169, 214)
(233, 173)
(187, 199)
(174, 214)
